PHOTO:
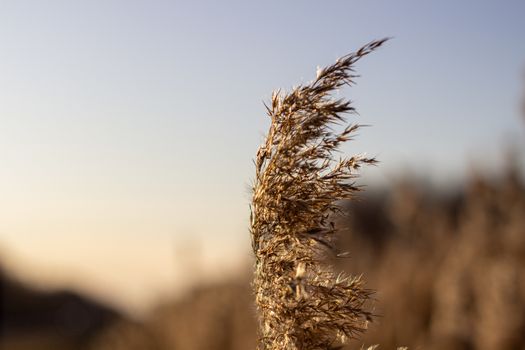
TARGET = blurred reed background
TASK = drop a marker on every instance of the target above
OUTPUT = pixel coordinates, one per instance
(127, 132)
(448, 267)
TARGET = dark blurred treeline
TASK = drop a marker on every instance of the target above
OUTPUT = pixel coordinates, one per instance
(35, 319)
(449, 268)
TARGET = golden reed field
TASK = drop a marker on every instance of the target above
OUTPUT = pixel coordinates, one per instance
(448, 270)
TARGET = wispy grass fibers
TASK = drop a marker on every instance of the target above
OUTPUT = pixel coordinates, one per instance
(303, 302)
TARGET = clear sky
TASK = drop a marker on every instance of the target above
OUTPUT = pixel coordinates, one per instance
(127, 128)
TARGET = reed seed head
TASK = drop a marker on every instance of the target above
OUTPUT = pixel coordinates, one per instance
(302, 301)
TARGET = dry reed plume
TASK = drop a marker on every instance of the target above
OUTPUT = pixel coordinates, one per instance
(303, 302)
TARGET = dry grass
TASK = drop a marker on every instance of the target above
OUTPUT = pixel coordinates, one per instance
(448, 267)
(303, 302)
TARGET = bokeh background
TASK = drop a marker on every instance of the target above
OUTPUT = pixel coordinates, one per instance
(127, 130)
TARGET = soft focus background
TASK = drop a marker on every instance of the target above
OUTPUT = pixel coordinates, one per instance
(127, 130)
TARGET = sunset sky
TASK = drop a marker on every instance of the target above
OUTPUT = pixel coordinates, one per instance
(127, 128)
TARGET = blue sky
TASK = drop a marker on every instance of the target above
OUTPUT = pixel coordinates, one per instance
(136, 121)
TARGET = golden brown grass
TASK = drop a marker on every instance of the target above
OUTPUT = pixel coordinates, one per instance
(303, 302)
(448, 267)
